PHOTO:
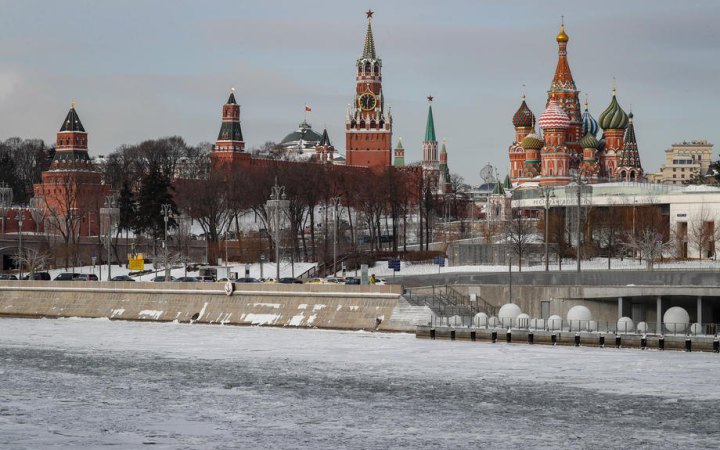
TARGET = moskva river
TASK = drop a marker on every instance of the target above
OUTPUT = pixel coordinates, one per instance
(94, 383)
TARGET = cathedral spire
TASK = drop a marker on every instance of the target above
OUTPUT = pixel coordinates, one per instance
(369, 49)
(563, 79)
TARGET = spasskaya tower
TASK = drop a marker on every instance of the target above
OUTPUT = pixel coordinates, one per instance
(368, 125)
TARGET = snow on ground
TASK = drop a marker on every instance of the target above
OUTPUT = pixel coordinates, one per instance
(269, 271)
(78, 383)
(407, 269)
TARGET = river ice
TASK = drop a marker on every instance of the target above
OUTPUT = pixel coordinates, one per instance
(93, 383)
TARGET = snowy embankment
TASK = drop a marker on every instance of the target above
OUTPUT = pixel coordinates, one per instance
(408, 269)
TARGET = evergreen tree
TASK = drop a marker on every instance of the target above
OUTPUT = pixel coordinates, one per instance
(155, 190)
(128, 208)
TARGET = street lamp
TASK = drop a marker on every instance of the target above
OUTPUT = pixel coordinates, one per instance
(166, 212)
(335, 201)
(110, 212)
(580, 181)
(547, 194)
(19, 218)
(278, 200)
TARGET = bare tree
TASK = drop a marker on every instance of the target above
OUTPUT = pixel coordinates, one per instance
(32, 260)
(519, 233)
(701, 232)
(648, 242)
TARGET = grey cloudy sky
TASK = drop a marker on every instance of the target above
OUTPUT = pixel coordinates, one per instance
(145, 69)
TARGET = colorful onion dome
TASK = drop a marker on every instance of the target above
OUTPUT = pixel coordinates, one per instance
(613, 118)
(590, 125)
(588, 141)
(532, 142)
(523, 117)
(554, 117)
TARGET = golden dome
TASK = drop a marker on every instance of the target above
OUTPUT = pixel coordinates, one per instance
(562, 37)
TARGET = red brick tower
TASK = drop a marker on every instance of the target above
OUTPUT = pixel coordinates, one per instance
(72, 189)
(564, 92)
(229, 149)
(555, 156)
(368, 126)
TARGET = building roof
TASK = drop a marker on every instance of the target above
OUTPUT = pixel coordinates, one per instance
(231, 100)
(304, 137)
(523, 116)
(613, 118)
(430, 126)
(630, 157)
(369, 47)
(325, 139)
(72, 121)
(554, 117)
(563, 79)
(589, 124)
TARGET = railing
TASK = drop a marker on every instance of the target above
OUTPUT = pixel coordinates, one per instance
(447, 301)
(479, 321)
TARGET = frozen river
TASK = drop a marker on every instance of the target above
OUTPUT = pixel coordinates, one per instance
(94, 383)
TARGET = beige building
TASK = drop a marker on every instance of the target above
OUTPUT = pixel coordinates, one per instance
(683, 161)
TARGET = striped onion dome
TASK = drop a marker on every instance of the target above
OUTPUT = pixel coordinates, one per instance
(588, 141)
(554, 117)
(532, 142)
(590, 125)
(613, 118)
(523, 117)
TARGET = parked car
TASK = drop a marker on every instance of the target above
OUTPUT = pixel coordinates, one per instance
(65, 276)
(7, 276)
(288, 280)
(206, 279)
(37, 276)
(352, 281)
(246, 280)
(161, 278)
(85, 277)
(187, 280)
(122, 278)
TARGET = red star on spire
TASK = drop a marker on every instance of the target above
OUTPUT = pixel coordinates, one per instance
(370, 13)
(430, 98)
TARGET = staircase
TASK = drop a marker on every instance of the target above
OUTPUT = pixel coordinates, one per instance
(447, 301)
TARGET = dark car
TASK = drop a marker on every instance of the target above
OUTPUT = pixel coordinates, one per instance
(289, 280)
(85, 277)
(352, 281)
(7, 276)
(122, 278)
(246, 280)
(161, 278)
(187, 280)
(37, 276)
(65, 276)
(206, 278)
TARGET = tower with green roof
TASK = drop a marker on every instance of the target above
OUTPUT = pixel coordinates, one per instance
(399, 155)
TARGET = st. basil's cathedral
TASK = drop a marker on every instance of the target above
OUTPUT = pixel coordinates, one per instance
(568, 145)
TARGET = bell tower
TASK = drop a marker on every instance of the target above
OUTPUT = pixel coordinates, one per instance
(368, 125)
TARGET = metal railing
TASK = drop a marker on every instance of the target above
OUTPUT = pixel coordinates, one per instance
(447, 301)
(478, 321)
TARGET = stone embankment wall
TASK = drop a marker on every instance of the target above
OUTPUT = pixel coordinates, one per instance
(309, 306)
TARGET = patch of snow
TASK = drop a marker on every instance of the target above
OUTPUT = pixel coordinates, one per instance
(150, 313)
(262, 319)
(318, 307)
(268, 305)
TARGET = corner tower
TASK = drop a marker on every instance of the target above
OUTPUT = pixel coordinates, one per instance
(229, 148)
(368, 125)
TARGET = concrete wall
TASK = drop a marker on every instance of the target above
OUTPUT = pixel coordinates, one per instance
(321, 306)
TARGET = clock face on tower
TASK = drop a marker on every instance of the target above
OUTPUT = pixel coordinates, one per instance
(367, 101)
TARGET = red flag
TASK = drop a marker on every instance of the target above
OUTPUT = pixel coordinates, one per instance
(307, 108)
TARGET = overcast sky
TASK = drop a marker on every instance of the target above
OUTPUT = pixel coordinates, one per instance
(146, 69)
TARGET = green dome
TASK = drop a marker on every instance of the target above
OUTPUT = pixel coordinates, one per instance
(532, 142)
(613, 118)
(589, 141)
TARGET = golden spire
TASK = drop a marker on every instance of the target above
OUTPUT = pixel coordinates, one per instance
(72, 104)
(523, 91)
(614, 86)
(586, 101)
(562, 37)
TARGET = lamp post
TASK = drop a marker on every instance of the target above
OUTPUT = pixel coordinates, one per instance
(278, 200)
(547, 194)
(19, 218)
(166, 212)
(335, 201)
(109, 212)
(579, 181)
